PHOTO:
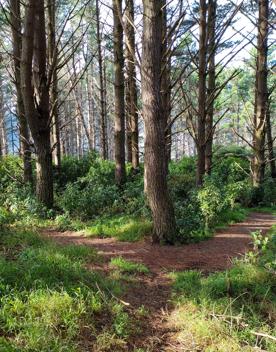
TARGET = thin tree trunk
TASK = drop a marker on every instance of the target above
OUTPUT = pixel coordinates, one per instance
(155, 124)
(165, 83)
(52, 58)
(15, 19)
(3, 132)
(132, 101)
(201, 145)
(211, 84)
(261, 96)
(271, 155)
(104, 148)
(34, 53)
(119, 132)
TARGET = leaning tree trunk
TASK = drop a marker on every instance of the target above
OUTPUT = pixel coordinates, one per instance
(211, 84)
(15, 20)
(35, 89)
(132, 101)
(201, 145)
(119, 132)
(261, 96)
(155, 124)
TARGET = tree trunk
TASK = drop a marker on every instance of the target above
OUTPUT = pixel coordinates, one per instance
(201, 145)
(155, 124)
(165, 82)
(35, 89)
(211, 84)
(52, 59)
(103, 129)
(271, 155)
(119, 132)
(3, 132)
(15, 20)
(132, 100)
(261, 96)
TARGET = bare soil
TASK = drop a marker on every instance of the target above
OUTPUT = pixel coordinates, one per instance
(153, 291)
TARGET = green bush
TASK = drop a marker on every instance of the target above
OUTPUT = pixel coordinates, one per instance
(73, 168)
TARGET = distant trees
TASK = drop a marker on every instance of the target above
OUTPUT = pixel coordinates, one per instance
(78, 88)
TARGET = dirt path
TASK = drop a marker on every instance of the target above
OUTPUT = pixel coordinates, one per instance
(153, 291)
(211, 255)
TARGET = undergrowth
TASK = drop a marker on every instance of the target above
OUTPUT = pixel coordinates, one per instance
(50, 302)
(230, 310)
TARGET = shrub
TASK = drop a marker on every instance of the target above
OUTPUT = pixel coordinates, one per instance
(86, 200)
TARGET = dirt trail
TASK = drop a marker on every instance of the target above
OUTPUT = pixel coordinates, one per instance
(153, 291)
(211, 255)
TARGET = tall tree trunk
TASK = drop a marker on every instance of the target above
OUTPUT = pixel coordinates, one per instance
(3, 132)
(271, 155)
(155, 124)
(35, 89)
(165, 82)
(211, 84)
(201, 145)
(261, 96)
(52, 60)
(132, 99)
(119, 132)
(15, 20)
(103, 129)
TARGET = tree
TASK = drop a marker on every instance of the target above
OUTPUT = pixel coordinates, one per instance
(104, 144)
(211, 83)
(155, 125)
(35, 92)
(131, 88)
(15, 22)
(201, 145)
(119, 87)
(261, 96)
(52, 60)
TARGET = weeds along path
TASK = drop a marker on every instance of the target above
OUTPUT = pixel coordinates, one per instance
(153, 291)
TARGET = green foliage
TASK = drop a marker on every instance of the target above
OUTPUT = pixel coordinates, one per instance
(48, 299)
(231, 304)
(125, 228)
(126, 266)
(73, 168)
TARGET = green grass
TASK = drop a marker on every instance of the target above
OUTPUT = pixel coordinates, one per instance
(125, 228)
(50, 302)
(219, 312)
(126, 266)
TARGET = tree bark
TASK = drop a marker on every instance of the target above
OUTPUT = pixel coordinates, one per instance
(103, 129)
(261, 96)
(165, 83)
(119, 131)
(132, 100)
(211, 84)
(25, 150)
(271, 155)
(155, 124)
(35, 92)
(201, 145)
(52, 60)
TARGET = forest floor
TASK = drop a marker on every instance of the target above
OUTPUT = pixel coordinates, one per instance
(153, 290)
